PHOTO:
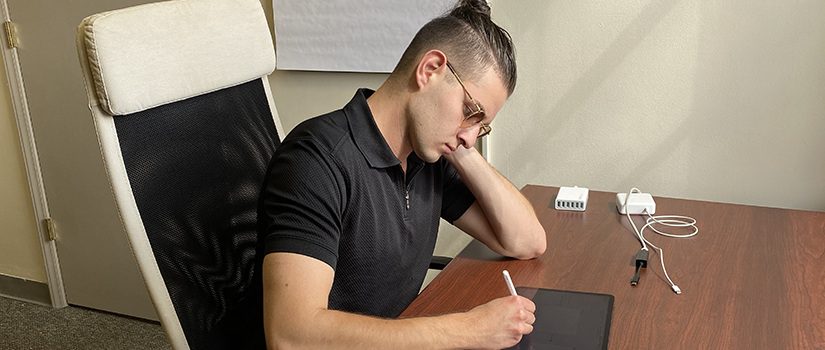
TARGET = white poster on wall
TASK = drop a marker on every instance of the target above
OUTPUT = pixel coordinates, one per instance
(348, 35)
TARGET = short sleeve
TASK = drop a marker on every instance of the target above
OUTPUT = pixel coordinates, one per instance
(301, 202)
(456, 198)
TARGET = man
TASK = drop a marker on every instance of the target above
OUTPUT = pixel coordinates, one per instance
(350, 208)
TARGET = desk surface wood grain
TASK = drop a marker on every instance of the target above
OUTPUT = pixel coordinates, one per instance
(753, 277)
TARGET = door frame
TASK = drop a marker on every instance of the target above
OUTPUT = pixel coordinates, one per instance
(31, 160)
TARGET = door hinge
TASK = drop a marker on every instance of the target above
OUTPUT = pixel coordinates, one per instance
(11, 37)
(51, 229)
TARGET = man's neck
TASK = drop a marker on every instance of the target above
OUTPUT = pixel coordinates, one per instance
(388, 107)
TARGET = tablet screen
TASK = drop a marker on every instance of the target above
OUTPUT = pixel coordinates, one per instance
(567, 320)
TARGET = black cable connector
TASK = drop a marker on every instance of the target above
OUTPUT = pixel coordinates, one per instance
(641, 262)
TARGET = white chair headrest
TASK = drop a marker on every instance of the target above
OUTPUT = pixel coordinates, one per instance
(138, 64)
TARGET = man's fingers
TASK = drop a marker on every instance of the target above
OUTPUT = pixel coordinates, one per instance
(528, 304)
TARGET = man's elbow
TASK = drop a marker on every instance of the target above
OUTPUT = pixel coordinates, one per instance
(525, 251)
(285, 336)
(533, 247)
(539, 249)
(532, 252)
(279, 341)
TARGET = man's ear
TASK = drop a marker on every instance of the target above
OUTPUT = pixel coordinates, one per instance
(431, 67)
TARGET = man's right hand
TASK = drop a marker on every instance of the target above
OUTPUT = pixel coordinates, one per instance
(502, 322)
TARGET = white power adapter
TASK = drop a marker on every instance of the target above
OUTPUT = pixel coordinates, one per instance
(572, 198)
(638, 203)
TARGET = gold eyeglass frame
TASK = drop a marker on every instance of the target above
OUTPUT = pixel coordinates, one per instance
(485, 129)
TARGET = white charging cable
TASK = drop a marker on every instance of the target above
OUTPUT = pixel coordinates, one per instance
(665, 220)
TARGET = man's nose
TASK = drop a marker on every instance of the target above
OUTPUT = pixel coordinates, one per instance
(467, 136)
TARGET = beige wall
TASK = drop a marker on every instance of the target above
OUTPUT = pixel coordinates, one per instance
(721, 101)
(302, 95)
(20, 254)
(690, 99)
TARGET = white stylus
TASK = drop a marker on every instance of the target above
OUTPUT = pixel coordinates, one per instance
(509, 282)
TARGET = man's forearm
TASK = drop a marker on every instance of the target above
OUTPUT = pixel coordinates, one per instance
(494, 325)
(510, 215)
(330, 329)
(296, 315)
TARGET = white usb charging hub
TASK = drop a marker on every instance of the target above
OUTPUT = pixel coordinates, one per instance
(572, 198)
(636, 204)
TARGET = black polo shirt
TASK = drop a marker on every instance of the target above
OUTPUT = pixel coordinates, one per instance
(336, 192)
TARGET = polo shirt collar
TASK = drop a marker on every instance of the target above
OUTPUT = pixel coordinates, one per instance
(365, 132)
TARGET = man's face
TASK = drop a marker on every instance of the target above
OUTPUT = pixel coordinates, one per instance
(436, 127)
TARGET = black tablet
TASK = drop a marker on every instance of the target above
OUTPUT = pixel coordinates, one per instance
(567, 320)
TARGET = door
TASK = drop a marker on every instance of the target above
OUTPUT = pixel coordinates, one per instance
(97, 266)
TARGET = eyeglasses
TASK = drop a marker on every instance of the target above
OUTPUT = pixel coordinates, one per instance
(472, 117)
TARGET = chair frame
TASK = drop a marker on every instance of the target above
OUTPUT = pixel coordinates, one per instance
(102, 114)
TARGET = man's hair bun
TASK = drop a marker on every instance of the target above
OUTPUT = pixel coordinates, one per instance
(471, 40)
(470, 8)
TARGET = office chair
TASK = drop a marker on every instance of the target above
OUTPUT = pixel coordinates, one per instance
(186, 124)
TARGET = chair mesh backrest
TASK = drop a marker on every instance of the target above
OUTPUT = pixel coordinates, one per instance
(196, 168)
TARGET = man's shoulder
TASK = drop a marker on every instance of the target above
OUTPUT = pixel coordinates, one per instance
(326, 131)
(330, 124)
(334, 127)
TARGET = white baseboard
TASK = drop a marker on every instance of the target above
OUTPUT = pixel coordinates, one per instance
(25, 290)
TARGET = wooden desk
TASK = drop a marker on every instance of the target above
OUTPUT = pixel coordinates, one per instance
(753, 278)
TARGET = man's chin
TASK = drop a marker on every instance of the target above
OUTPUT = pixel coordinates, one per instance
(432, 158)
